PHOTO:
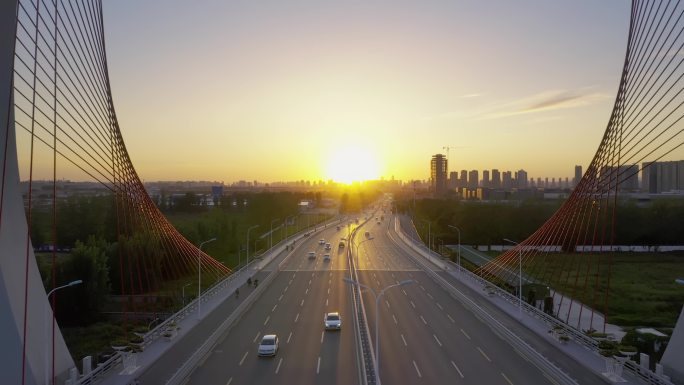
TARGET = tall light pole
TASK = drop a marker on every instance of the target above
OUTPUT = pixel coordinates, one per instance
(429, 232)
(199, 278)
(270, 240)
(377, 315)
(357, 249)
(519, 276)
(285, 225)
(248, 230)
(48, 372)
(459, 247)
(183, 291)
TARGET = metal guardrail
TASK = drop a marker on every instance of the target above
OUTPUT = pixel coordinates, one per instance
(361, 320)
(531, 354)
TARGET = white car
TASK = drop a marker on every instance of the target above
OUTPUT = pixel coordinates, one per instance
(327, 246)
(321, 241)
(268, 345)
(326, 257)
(332, 321)
(312, 255)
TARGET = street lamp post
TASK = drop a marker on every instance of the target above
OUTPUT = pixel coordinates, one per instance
(48, 373)
(358, 245)
(199, 278)
(429, 232)
(377, 315)
(248, 230)
(183, 291)
(519, 276)
(459, 247)
(270, 240)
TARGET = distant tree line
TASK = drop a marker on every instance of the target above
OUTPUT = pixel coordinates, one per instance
(660, 222)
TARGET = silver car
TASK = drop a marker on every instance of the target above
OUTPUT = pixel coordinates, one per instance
(332, 321)
(268, 345)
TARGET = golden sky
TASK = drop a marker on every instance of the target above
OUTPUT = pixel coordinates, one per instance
(273, 91)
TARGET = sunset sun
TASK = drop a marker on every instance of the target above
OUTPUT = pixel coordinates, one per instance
(352, 164)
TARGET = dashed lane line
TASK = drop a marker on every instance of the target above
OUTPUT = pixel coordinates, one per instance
(430, 295)
(307, 291)
(274, 307)
(484, 354)
(404, 291)
(404, 339)
(229, 381)
(417, 370)
(395, 320)
(457, 369)
(297, 317)
(388, 305)
(322, 334)
(438, 341)
(326, 302)
(318, 366)
(506, 378)
(465, 334)
(301, 303)
(278, 367)
(243, 358)
(267, 319)
(256, 337)
(439, 306)
(413, 304)
(281, 297)
(289, 337)
(423, 319)
(451, 319)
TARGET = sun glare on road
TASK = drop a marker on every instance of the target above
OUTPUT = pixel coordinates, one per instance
(352, 164)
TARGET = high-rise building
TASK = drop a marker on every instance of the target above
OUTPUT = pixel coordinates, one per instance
(521, 178)
(463, 180)
(658, 177)
(438, 174)
(507, 180)
(485, 178)
(453, 180)
(578, 175)
(473, 179)
(496, 178)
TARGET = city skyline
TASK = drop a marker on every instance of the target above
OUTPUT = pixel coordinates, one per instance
(237, 99)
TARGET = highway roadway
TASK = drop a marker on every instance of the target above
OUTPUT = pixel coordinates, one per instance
(293, 307)
(426, 336)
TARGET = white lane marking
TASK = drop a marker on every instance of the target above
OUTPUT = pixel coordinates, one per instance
(417, 370)
(301, 303)
(281, 297)
(328, 290)
(294, 275)
(422, 287)
(450, 319)
(307, 291)
(457, 369)
(285, 291)
(404, 291)
(267, 318)
(229, 381)
(326, 302)
(438, 341)
(465, 334)
(424, 321)
(297, 317)
(388, 306)
(404, 339)
(430, 295)
(243, 358)
(506, 378)
(309, 282)
(439, 306)
(274, 307)
(322, 334)
(278, 367)
(395, 320)
(413, 304)
(256, 336)
(318, 366)
(483, 354)
(288, 337)
(289, 283)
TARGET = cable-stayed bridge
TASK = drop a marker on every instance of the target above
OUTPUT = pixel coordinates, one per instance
(58, 114)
